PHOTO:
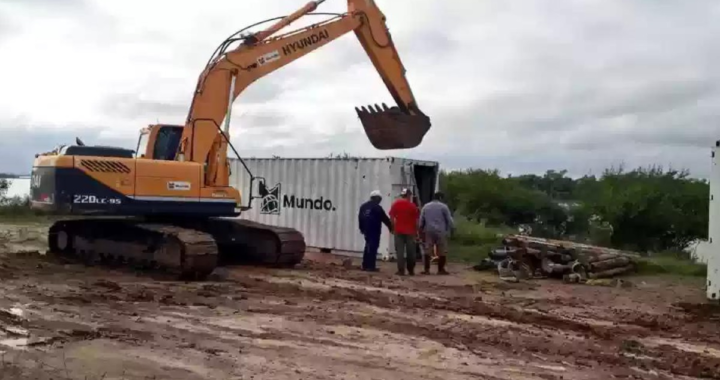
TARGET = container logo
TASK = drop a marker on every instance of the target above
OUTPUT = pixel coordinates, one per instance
(270, 201)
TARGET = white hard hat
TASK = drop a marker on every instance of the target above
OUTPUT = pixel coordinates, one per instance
(375, 193)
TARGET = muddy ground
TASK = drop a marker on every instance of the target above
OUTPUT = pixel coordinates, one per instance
(324, 321)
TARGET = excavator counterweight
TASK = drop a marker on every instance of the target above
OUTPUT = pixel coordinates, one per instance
(170, 203)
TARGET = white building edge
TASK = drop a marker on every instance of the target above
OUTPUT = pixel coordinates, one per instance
(708, 252)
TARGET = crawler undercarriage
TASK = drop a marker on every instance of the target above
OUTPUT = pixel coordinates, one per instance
(190, 248)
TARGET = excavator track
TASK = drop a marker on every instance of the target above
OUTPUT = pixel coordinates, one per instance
(189, 253)
(190, 248)
(242, 241)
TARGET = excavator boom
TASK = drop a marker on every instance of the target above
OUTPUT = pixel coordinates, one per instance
(230, 72)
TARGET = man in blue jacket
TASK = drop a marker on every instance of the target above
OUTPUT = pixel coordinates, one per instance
(371, 217)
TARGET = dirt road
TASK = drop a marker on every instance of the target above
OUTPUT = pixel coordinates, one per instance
(323, 321)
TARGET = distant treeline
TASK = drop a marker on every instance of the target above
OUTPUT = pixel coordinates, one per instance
(8, 175)
(645, 209)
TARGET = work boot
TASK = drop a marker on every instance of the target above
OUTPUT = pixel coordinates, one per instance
(426, 263)
(441, 265)
(411, 266)
(411, 269)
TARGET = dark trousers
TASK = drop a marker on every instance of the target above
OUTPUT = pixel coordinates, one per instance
(405, 252)
(372, 243)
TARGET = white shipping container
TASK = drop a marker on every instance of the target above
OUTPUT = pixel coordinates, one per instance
(320, 197)
(713, 261)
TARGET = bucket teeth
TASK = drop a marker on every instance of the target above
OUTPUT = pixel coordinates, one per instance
(392, 128)
(373, 109)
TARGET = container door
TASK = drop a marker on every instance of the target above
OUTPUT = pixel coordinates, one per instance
(409, 178)
(422, 179)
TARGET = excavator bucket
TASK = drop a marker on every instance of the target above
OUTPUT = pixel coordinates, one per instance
(391, 128)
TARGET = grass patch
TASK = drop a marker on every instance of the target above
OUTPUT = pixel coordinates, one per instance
(471, 233)
(468, 254)
(471, 241)
(22, 213)
(672, 264)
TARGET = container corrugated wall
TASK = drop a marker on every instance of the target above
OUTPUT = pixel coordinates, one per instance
(339, 186)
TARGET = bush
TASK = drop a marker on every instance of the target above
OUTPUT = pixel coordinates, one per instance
(471, 241)
(19, 208)
(4, 185)
(468, 232)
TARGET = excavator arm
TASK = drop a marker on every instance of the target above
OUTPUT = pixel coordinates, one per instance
(229, 72)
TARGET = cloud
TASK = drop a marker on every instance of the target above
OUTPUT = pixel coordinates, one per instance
(19, 146)
(7, 26)
(516, 85)
(131, 106)
(51, 5)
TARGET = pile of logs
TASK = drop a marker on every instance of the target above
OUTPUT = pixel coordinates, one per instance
(609, 264)
(573, 262)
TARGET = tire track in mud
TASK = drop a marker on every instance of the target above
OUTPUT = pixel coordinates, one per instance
(602, 344)
(531, 332)
(605, 349)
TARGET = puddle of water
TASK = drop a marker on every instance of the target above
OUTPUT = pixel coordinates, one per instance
(551, 367)
(482, 320)
(18, 343)
(683, 346)
(16, 330)
(639, 357)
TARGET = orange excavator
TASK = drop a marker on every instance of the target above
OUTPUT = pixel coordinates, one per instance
(169, 204)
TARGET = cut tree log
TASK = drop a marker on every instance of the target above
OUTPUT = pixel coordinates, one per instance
(602, 257)
(617, 262)
(612, 272)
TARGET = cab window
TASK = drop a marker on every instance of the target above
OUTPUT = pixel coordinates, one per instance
(142, 145)
(166, 143)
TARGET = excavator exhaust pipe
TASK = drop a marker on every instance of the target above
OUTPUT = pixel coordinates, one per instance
(392, 128)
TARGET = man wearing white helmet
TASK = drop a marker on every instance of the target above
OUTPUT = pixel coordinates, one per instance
(371, 217)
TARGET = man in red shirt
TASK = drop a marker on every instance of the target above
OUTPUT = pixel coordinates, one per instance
(405, 215)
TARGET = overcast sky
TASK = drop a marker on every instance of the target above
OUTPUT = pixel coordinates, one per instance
(519, 85)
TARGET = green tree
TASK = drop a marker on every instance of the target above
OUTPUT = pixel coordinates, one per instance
(4, 185)
(646, 209)
(485, 196)
(650, 208)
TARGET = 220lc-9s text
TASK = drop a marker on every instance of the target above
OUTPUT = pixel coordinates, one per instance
(79, 198)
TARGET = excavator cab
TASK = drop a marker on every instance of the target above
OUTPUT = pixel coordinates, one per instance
(159, 142)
